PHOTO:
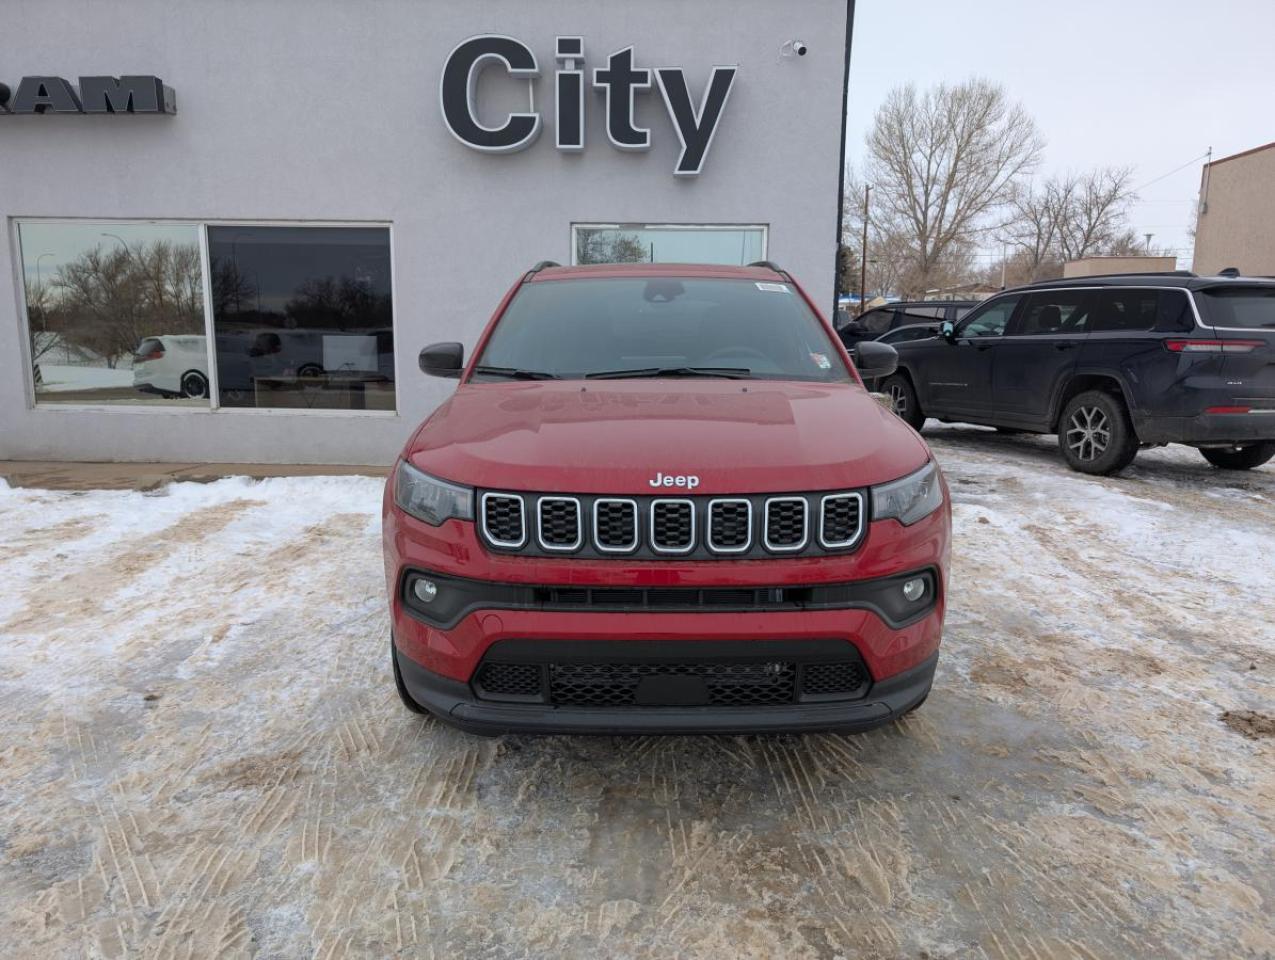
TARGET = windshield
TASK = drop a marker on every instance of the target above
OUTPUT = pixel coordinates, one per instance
(661, 326)
(1252, 307)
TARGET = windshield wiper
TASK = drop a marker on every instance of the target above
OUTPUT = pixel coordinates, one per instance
(513, 373)
(729, 373)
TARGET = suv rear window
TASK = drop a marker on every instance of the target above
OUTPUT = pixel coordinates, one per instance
(1250, 307)
(573, 328)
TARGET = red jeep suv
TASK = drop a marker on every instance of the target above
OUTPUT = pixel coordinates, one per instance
(661, 501)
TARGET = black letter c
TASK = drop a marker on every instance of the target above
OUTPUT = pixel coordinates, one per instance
(458, 88)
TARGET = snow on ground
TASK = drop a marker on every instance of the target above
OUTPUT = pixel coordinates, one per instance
(59, 378)
(202, 754)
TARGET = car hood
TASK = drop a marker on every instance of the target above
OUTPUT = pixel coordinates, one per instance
(616, 436)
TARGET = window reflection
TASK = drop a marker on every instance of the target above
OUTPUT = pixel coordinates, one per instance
(302, 316)
(115, 312)
(682, 243)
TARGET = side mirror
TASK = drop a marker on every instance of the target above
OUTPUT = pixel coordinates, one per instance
(947, 330)
(443, 360)
(875, 359)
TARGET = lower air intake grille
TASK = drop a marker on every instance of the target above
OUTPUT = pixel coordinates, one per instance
(833, 679)
(509, 680)
(623, 684)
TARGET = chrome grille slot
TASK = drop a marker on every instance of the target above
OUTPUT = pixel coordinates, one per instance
(730, 526)
(615, 525)
(672, 526)
(787, 524)
(558, 523)
(840, 520)
(504, 520)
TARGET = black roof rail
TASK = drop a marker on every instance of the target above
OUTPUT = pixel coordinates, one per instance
(542, 265)
(1105, 276)
(769, 265)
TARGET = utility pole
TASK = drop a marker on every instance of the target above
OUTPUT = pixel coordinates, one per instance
(863, 251)
(1004, 263)
(1148, 236)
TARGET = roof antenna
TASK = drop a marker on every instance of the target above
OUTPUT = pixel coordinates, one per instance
(1229, 272)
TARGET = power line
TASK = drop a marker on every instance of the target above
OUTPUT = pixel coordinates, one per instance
(1173, 171)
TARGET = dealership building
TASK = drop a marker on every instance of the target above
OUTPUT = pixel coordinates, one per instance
(230, 228)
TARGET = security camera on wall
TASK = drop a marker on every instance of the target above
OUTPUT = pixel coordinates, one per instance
(793, 48)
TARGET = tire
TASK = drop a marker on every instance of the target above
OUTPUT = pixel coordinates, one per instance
(1095, 434)
(903, 400)
(403, 695)
(1241, 457)
(194, 385)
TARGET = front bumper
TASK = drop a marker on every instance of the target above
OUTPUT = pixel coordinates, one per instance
(455, 703)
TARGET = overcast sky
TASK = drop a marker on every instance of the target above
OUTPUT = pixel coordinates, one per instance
(1110, 82)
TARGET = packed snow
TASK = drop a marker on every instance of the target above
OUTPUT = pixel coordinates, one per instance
(202, 754)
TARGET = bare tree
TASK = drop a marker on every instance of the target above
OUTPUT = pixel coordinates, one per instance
(1094, 210)
(941, 162)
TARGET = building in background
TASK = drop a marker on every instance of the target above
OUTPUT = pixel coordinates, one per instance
(1105, 266)
(229, 234)
(1236, 227)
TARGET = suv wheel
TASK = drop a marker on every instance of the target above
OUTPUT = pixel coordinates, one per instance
(1241, 457)
(903, 400)
(398, 683)
(1095, 434)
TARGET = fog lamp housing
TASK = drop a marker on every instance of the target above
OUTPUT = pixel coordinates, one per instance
(914, 589)
(424, 590)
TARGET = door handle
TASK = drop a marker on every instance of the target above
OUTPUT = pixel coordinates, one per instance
(1066, 345)
(983, 346)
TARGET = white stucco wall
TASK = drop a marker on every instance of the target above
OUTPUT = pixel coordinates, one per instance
(328, 110)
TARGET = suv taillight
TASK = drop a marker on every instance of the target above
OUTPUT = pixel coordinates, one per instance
(1213, 346)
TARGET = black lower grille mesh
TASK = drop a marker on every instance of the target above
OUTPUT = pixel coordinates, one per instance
(725, 684)
(826, 679)
(736, 683)
(509, 680)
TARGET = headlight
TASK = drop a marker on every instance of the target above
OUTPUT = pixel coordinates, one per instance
(430, 499)
(909, 499)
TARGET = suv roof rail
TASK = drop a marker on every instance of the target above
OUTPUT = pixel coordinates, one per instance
(542, 265)
(1105, 276)
(769, 265)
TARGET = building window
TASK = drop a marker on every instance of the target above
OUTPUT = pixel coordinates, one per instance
(115, 312)
(302, 316)
(298, 317)
(667, 243)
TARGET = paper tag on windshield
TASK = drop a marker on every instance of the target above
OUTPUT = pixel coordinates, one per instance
(821, 361)
(772, 287)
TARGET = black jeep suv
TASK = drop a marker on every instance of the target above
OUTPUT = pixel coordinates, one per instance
(1109, 364)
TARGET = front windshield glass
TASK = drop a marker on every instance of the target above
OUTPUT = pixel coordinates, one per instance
(661, 326)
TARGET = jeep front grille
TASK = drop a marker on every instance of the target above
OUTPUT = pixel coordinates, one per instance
(730, 526)
(504, 520)
(697, 528)
(786, 524)
(559, 523)
(840, 519)
(615, 525)
(672, 526)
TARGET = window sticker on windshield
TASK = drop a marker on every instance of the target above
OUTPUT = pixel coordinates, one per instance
(821, 361)
(772, 287)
